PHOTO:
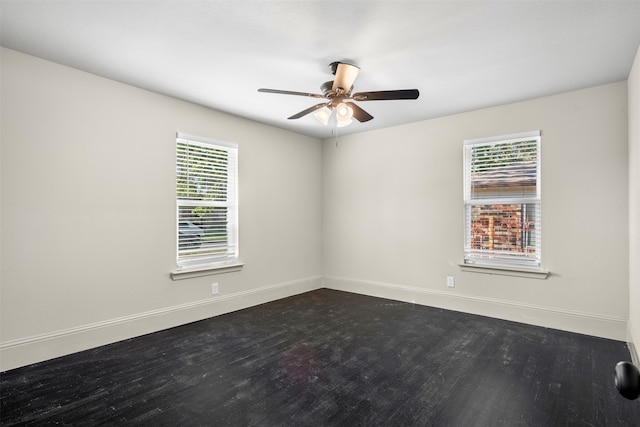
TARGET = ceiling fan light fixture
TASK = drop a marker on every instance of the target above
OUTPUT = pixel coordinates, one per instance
(344, 111)
(343, 114)
(323, 115)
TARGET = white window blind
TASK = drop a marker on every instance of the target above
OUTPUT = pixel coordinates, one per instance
(207, 207)
(502, 200)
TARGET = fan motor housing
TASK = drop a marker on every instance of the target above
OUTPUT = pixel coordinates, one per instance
(326, 87)
(328, 92)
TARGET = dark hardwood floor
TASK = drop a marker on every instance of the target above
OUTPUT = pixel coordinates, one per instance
(329, 358)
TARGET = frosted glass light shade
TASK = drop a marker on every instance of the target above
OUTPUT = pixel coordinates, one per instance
(343, 114)
(323, 115)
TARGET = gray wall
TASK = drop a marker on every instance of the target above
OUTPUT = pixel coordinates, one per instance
(88, 211)
(393, 216)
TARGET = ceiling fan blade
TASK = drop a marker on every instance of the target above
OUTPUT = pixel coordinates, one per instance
(383, 95)
(345, 76)
(289, 92)
(358, 113)
(309, 110)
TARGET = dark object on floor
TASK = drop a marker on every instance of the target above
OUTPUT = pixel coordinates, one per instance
(329, 358)
(628, 380)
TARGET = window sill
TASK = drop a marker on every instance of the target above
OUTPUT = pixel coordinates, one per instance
(190, 273)
(506, 271)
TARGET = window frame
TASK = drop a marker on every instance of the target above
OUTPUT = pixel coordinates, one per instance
(506, 262)
(209, 263)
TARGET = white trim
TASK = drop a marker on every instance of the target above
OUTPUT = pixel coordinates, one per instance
(185, 259)
(573, 321)
(190, 273)
(504, 138)
(633, 349)
(634, 354)
(504, 270)
(201, 139)
(469, 201)
(24, 351)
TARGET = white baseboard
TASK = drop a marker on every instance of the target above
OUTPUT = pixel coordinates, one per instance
(21, 352)
(634, 354)
(633, 345)
(583, 323)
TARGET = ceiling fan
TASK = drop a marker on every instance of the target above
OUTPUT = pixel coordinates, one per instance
(337, 93)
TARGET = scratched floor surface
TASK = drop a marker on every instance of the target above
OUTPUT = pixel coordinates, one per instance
(329, 358)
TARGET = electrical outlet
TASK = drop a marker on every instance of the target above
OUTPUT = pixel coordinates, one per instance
(451, 283)
(214, 288)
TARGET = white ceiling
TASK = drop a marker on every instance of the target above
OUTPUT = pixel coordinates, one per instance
(461, 55)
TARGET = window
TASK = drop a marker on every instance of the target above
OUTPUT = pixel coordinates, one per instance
(502, 201)
(207, 207)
